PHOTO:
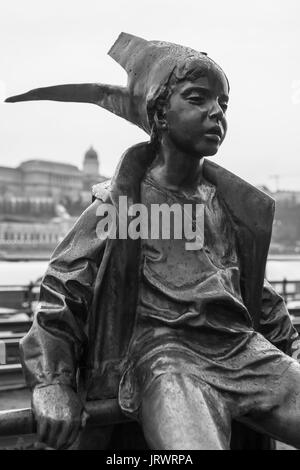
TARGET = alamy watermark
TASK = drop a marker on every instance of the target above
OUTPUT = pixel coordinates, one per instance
(159, 221)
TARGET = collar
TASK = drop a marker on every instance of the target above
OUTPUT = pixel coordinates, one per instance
(252, 207)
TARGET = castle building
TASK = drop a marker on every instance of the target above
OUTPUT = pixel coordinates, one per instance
(40, 179)
(39, 202)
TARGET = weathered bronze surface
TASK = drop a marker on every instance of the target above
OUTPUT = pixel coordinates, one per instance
(22, 421)
(187, 341)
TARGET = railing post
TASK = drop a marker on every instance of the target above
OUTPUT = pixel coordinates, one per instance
(28, 298)
(284, 289)
(2, 352)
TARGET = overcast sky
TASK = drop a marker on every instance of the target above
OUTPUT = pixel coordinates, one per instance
(49, 42)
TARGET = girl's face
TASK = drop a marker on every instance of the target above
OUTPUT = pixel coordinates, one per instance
(195, 115)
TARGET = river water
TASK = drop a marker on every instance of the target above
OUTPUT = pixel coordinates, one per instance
(21, 272)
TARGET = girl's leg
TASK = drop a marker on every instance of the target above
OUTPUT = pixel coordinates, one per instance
(180, 412)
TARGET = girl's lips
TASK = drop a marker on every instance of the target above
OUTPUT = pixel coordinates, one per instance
(213, 137)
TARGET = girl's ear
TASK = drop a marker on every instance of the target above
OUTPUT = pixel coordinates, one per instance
(160, 116)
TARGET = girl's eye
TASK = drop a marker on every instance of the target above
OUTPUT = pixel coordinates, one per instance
(196, 98)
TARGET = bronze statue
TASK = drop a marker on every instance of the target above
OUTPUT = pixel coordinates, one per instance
(187, 339)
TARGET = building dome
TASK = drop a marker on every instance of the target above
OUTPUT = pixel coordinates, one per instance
(91, 163)
(91, 154)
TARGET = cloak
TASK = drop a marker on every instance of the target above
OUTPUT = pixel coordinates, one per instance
(86, 312)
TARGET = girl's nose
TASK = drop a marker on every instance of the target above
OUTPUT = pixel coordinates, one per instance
(216, 112)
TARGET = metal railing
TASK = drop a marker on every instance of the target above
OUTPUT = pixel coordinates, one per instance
(21, 422)
(18, 427)
(20, 298)
(289, 289)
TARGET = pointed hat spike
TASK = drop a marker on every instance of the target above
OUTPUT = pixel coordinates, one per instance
(76, 93)
(112, 98)
(125, 48)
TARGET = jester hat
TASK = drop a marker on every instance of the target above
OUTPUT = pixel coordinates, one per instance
(149, 66)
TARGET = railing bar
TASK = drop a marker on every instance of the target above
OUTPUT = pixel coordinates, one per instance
(101, 412)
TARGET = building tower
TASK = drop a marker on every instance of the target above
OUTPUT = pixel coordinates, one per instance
(90, 172)
(91, 163)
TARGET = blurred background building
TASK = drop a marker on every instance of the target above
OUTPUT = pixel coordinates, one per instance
(286, 227)
(39, 202)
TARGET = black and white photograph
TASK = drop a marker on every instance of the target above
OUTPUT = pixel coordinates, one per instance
(149, 227)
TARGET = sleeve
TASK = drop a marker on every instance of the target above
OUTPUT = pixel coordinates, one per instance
(51, 350)
(276, 323)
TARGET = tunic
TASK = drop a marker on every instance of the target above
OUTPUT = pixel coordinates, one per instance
(190, 310)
